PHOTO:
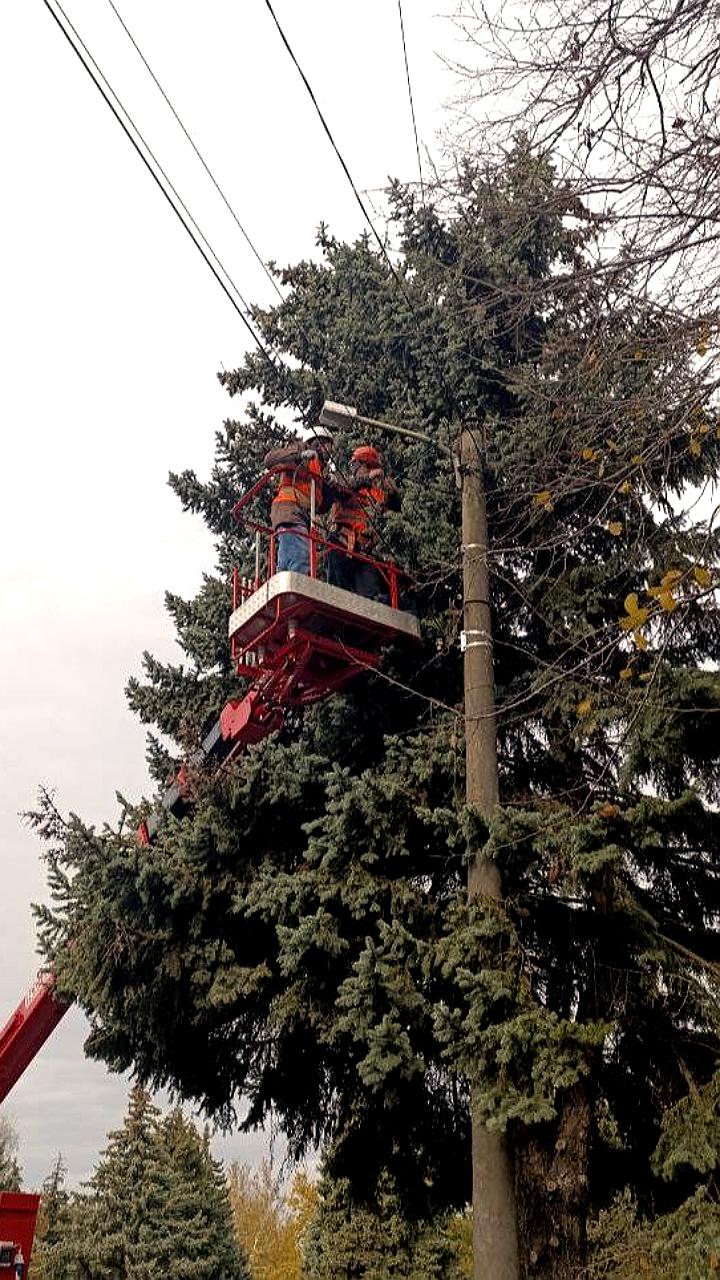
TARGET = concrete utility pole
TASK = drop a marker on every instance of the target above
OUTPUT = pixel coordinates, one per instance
(495, 1246)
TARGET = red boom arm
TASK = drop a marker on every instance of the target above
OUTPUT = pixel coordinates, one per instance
(27, 1029)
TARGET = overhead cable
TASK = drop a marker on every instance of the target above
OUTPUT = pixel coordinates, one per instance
(200, 157)
(383, 249)
(79, 53)
(412, 104)
(336, 149)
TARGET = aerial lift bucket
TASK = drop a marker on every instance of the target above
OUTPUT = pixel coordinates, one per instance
(18, 1214)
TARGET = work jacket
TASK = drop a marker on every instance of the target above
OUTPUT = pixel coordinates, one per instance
(357, 512)
(291, 503)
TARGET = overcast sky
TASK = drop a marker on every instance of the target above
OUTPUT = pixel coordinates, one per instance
(112, 332)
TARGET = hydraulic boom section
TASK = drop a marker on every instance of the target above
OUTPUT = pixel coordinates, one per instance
(26, 1031)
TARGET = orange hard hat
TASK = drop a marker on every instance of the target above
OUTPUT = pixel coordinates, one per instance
(368, 454)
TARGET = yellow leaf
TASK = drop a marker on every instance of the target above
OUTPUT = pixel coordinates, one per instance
(646, 675)
(626, 673)
(626, 487)
(695, 447)
(615, 527)
(590, 455)
(703, 428)
(639, 355)
(544, 499)
(668, 581)
(663, 593)
(635, 614)
(702, 576)
(584, 708)
(703, 343)
(637, 459)
(634, 618)
(612, 445)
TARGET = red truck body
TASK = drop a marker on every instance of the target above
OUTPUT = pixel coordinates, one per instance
(18, 1214)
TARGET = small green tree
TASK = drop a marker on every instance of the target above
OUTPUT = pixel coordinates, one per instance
(157, 1205)
(120, 1226)
(197, 1221)
(10, 1171)
(681, 1245)
(52, 1252)
(346, 1241)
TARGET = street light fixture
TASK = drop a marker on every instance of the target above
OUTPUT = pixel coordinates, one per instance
(334, 414)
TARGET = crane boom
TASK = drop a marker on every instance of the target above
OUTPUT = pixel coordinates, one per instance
(26, 1031)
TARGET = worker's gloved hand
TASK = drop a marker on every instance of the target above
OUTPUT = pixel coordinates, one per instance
(375, 474)
(307, 454)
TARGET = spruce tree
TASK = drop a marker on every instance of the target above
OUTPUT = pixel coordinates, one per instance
(346, 1242)
(197, 1219)
(52, 1257)
(156, 1206)
(120, 1230)
(302, 938)
(10, 1171)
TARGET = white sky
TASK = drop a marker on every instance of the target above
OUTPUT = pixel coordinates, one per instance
(112, 330)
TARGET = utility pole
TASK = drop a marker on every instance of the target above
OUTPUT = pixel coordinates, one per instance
(495, 1243)
(495, 1247)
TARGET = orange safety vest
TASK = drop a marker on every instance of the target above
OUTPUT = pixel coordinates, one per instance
(351, 516)
(296, 489)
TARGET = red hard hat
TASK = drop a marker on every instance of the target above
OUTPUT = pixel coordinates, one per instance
(368, 454)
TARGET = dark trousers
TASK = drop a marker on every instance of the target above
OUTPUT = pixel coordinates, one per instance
(356, 575)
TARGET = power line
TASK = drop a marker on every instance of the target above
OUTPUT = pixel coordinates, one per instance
(383, 249)
(338, 153)
(200, 157)
(410, 95)
(155, 175)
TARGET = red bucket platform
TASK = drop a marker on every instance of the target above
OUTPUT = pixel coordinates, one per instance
(299, 639)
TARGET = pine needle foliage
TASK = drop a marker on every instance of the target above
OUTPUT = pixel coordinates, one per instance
(53, 1246)
(345, 1242)
(302, 939)
(156, 1206)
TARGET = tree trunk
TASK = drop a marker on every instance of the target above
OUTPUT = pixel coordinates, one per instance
(551, 1171)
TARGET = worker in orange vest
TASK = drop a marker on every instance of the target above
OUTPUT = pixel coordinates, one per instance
(304, 465)
(354, 524)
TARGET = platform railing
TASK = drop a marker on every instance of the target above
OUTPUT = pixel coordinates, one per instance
(319, 548)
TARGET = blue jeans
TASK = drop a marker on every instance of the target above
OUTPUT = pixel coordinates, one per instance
(293, 551)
